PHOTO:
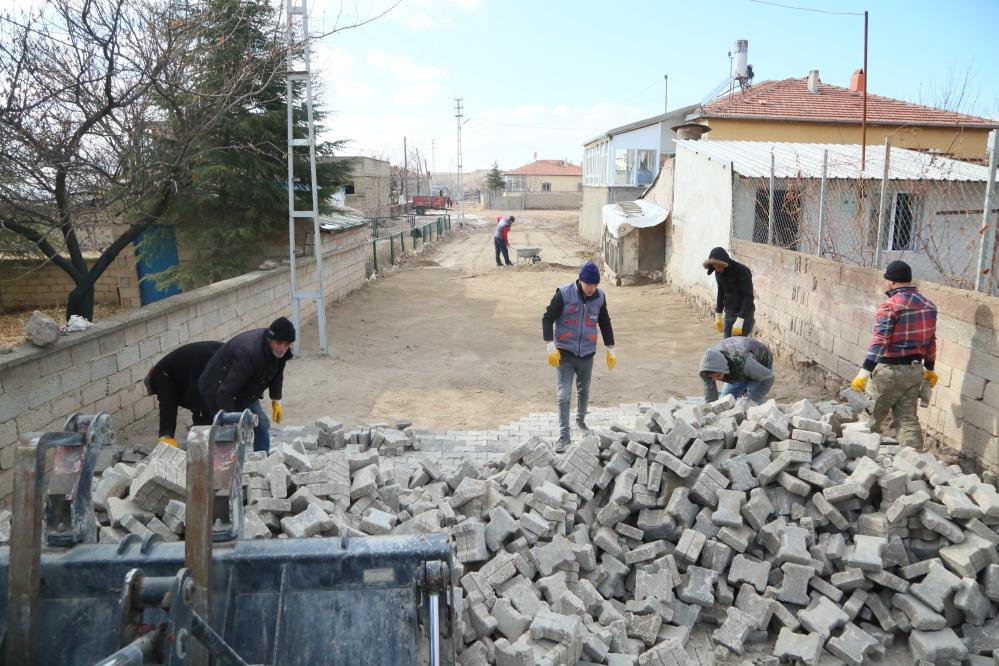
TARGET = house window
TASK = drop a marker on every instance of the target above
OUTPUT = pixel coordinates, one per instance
(546, 187)
(645, 172)
(899, 232)
(787, 216)
(623, 160)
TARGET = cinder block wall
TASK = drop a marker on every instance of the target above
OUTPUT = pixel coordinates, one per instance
(102, 369)
(823, 311)
(25, 284)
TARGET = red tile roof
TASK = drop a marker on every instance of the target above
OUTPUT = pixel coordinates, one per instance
(547, 168)
(791, 100)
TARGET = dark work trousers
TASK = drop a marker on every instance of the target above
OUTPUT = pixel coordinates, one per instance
(501, 247)
(171, 397)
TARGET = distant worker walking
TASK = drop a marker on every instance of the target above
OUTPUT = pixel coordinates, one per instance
(243, 368)
(901, 356)
(735, 293)
(575, 312)
(501, 239)
(174, 382)
(745, 366)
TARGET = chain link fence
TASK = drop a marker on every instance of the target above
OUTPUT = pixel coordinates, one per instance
(932, 217)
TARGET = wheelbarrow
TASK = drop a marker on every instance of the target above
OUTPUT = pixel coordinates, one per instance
(531, 254)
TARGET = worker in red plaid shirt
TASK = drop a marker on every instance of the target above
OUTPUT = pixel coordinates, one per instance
(901, 356)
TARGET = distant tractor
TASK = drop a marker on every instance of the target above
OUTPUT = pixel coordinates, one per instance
(422, 203)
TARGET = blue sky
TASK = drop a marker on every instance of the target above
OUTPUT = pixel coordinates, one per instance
(543, 76)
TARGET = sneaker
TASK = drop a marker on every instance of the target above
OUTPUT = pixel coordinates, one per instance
(583, 428)
(562, 444)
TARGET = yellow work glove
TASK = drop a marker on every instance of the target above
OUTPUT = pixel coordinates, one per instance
(611, 358)
(168, 440)
(931, 377)
(718, 322)
(276, 412)
(859, 383)
(737, 326)
(554, 355)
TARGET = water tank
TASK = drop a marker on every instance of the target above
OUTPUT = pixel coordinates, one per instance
(740, 58)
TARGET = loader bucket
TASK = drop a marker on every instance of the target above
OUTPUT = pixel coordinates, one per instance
(283, 601)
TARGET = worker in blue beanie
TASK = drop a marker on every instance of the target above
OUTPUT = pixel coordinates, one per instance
(569, 327)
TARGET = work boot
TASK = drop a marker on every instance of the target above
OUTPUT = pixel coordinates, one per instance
(583, 429)
(562, 444)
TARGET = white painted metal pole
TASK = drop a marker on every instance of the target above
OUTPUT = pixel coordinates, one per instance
(987, 232)
(822, 199)
(883, 204)
(770, 203)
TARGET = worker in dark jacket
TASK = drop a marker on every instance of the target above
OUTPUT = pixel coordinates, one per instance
(174, 382)
(575, 312)
(735, 293)
(744, 364)
(243, 368)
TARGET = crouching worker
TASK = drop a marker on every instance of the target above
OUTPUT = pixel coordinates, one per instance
(174, 382)
(243, 368)
(744, 364)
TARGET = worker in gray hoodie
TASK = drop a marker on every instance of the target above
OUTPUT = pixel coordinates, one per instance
(744, 364)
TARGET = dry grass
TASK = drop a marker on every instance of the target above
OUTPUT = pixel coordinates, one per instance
(12, 323)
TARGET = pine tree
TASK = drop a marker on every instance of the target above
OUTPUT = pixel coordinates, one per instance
(494, 179)
(238, 200)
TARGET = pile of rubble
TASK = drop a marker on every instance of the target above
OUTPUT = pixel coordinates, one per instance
(792, 522)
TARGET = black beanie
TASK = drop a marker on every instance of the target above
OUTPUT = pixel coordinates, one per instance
(281, 329)
(898, 271)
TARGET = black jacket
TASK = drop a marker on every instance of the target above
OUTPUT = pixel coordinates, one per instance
(554, 311)
(182, 368)
(240, 371)
(735, 286)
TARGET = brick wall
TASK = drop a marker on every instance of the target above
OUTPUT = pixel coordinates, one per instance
(102, 369)
(819, 311)
(25, 285)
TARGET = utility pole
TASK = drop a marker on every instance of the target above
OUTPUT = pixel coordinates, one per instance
(405, 172)
(665, 93)
(433, 155)
(863, 113)
(461, 194)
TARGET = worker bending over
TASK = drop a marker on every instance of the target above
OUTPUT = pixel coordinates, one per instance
(744, 364)
(901, 356)
(575, 312)
(174, 382)
(243, 368)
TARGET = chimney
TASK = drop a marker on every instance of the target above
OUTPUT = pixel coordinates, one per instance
(813, 81)
(857, 81)
(690, 131)
(535, 157)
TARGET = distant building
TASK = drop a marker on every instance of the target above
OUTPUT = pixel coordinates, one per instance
(619, 164)
(545, 176)
(370, 187)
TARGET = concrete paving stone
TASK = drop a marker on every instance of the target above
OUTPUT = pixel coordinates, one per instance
(971, 600)
(959, 505)
(823, 617)
(698, 588)
(794, 588)
(937, 588)
(968, 558)
(853, 645)
(937, 647)
(865, 553)
(919, 615)
(747, 570)
(805, 648)
(734, 630)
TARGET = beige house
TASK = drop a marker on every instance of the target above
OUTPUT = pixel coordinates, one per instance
(370, 186)
(545, 176)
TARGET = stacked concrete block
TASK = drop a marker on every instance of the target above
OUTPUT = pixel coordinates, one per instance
(789, 525)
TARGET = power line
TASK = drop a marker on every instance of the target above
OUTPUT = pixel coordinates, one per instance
(557, 129)
(806, 9)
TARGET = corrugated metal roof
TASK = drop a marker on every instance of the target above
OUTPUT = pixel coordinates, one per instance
(804, 160)
(337, 221)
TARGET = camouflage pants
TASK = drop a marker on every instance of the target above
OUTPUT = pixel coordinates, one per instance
(895, 388)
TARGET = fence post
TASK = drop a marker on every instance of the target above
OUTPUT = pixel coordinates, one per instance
(392, 249)
(883, 204)
(374, 253)
(402, 241)
(770, 203)
(822, 199)
(983, 278)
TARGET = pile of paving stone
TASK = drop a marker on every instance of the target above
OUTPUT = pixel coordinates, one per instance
(787, 529)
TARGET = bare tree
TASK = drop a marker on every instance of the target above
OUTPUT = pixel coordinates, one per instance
(100, 108)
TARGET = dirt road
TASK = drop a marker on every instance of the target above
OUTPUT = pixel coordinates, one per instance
(454, 342)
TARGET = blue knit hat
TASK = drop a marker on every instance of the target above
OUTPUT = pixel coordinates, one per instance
(589, 273)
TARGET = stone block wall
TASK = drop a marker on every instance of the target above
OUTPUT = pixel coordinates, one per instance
(102, 369)
(820, 311)
(26, 285)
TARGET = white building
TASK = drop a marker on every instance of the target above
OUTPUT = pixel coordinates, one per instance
(721, 190)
